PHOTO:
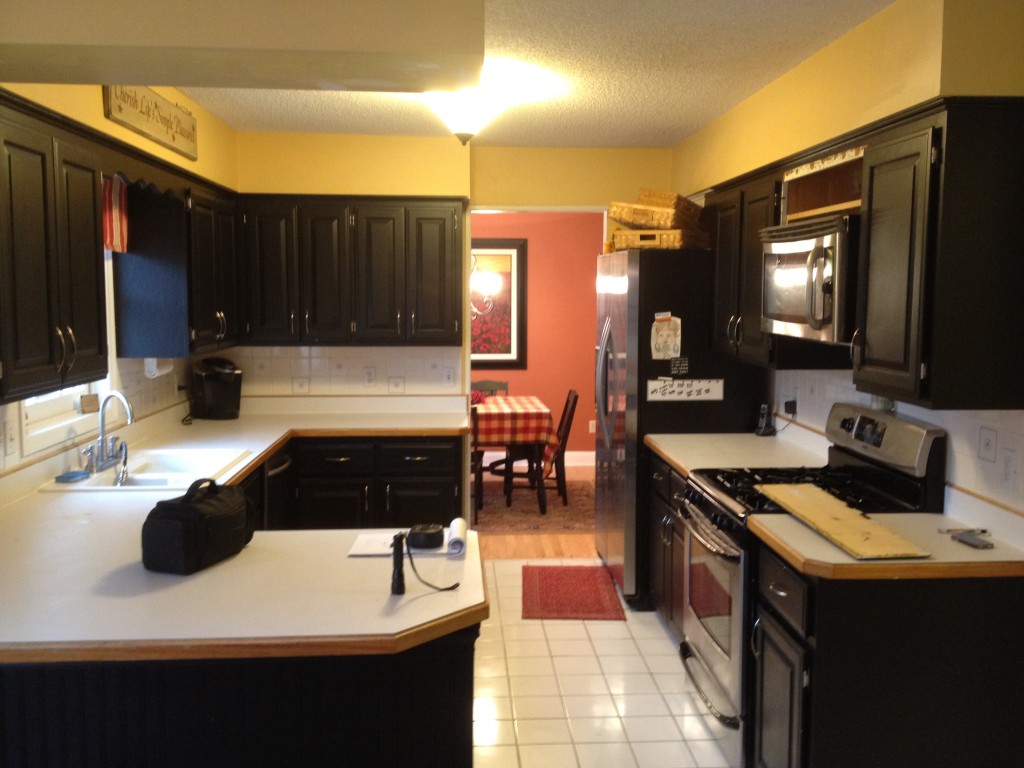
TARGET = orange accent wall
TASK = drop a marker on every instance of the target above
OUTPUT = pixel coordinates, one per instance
(561, 305)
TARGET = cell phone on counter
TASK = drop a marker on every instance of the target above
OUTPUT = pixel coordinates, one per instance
(972, 539)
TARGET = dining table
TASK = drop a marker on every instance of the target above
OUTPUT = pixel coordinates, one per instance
(522, 421)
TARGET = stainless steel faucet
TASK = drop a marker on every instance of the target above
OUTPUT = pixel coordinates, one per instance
(110, 451)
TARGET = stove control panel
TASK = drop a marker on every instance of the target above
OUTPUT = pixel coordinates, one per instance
(901, 443)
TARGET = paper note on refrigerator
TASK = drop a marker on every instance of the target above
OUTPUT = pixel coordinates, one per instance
(685, 389)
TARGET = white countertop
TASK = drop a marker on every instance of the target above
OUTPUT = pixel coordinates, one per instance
(810, 552)
(743, 449)
(74, 585)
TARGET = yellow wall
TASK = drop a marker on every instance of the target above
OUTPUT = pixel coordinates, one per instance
(981, 48)
(890, 62)
(362, 165)
(218, 157)
(506, 176)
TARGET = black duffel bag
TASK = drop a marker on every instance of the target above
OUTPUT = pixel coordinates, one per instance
(209, 523)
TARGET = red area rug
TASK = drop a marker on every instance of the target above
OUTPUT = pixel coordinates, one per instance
(570, 592)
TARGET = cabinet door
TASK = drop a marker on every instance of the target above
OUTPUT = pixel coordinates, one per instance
(80, 246)
(380, 273)
(677, 575)
(433, 276)
(35, 346)
(726, 212)
(896, 186)
(325, 271)
(660, 544)
(332, 503)
(272, 271)
(760, 209)
(410, 501)
(778, 720)
(205, 318)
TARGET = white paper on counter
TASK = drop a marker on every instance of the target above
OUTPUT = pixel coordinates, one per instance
(378, 543)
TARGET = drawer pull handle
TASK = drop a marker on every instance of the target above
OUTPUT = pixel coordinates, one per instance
(775, 590)
(417, 458)
(340, 459)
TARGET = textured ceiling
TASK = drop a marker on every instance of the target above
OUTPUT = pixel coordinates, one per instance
(644, 74)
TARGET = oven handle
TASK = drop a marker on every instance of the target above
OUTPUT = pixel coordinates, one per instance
(687, 653)
(692, 520)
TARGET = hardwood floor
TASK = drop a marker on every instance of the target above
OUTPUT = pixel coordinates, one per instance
(496, 546)
(512, 546)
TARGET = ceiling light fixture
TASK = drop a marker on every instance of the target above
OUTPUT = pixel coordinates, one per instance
(504, 83)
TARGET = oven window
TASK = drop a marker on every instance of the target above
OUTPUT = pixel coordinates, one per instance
(709, 595)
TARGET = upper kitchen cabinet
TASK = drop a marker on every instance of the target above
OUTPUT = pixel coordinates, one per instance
(940, 279)
(299, 270)
(272, 269)
(408, 273)
(180, 267)
(214, 304)
(738, 215)
(53, 316)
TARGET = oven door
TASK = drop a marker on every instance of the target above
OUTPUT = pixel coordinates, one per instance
(713, 623)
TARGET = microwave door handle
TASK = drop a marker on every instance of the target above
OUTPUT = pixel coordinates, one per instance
(817, 254)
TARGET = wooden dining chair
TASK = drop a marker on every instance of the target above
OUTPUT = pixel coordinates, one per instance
(513, 454)
(476, 463)
(490, 386)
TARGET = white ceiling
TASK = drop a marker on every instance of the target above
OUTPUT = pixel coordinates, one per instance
(646, 73)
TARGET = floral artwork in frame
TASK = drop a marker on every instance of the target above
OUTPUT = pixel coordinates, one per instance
(497, 294)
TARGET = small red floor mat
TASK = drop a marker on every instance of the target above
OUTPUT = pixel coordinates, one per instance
(570, 592)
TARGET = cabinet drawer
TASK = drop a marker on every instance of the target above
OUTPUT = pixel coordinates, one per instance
(333, 459)
(419, 459)
(661, 478)
(782, 588)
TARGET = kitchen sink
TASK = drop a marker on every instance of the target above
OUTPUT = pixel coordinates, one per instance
(172, 469)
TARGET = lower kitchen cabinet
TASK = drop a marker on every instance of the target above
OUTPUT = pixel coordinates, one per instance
(374, 482)
(885, 673)
(667, 546)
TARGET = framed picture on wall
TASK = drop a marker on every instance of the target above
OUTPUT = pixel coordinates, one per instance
(497, 296)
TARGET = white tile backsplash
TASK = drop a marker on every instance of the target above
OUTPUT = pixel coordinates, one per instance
(297, 371)
(1000, 480)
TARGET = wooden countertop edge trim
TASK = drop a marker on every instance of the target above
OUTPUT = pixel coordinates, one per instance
(888, 569)
(386, 432)
(243, 648)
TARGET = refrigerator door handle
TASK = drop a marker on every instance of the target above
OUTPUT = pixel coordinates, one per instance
(605, 357)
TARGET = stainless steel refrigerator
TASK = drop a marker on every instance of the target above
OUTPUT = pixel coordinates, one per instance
(656, 372)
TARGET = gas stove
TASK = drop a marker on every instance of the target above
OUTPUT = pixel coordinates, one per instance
(877, 463)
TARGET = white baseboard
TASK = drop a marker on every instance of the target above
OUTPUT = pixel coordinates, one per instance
(572, 458)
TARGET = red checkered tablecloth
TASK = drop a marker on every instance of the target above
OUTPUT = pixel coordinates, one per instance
(504, 420)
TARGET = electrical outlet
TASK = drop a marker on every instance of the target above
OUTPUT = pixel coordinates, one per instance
(593, 426)
(448, 377)
(790, 407)
(396, 384)
(10, 439)
(988, 444)
(370, 376)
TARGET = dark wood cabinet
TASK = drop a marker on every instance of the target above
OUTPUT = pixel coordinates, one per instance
(52, 288)
(408, 273)
(339, 270)
(779, 681)
(920, 665)
(214, 305)
(272, 270)
(667, 545)
(939, 290)
(738, 215)
(180, 267)
(375, 482)
(325, 273)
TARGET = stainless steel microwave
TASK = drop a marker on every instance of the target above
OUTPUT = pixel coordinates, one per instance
(809, 279)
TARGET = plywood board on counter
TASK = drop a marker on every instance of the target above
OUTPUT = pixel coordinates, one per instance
(859, 536)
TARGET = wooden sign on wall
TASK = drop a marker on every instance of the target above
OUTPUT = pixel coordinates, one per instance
(144, 111)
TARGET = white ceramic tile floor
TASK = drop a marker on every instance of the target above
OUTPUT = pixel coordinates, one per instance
(589, 694)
